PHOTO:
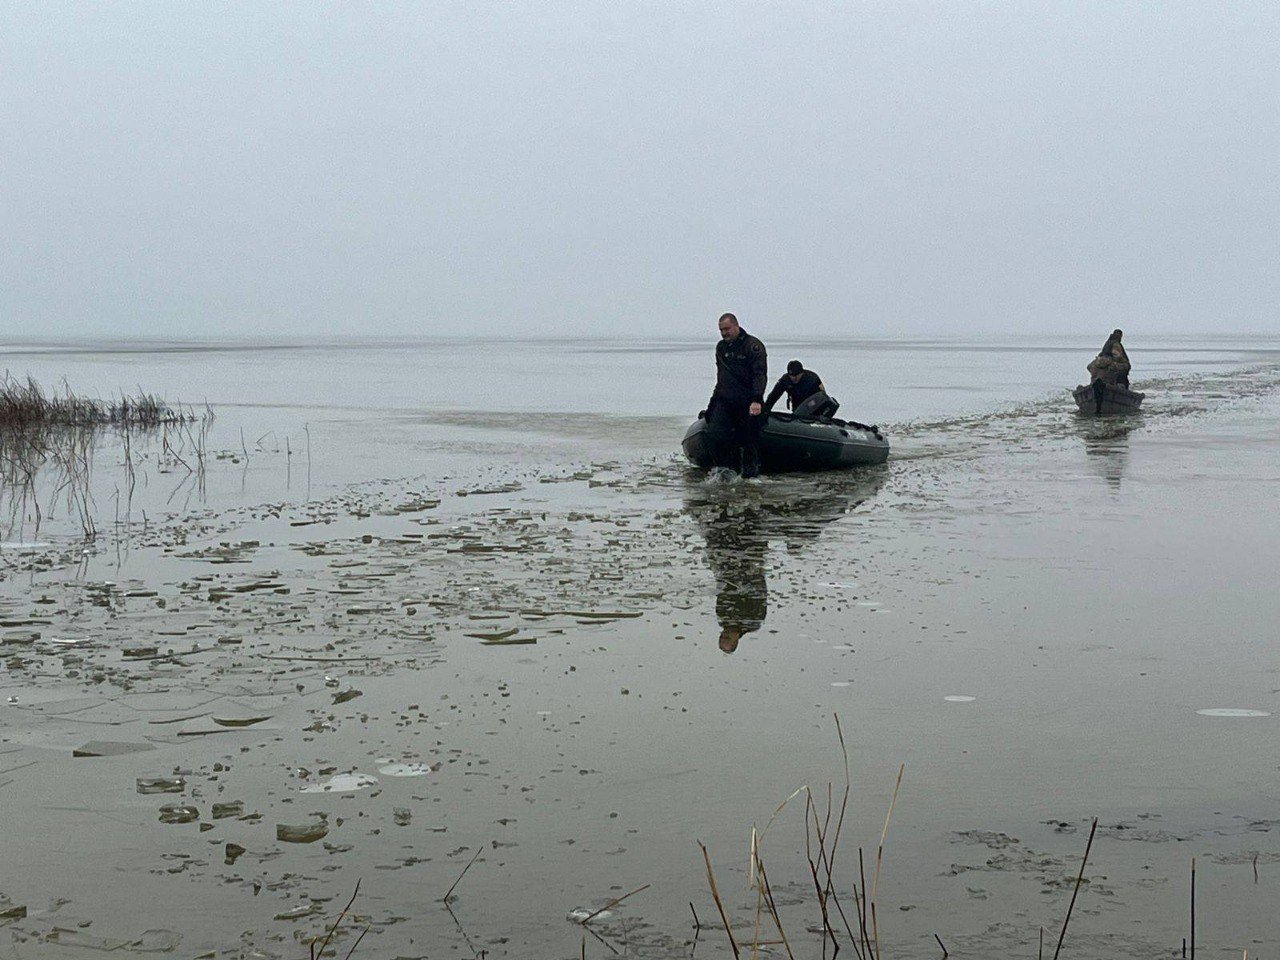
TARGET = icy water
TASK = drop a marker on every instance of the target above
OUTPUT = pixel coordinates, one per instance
(430, 603)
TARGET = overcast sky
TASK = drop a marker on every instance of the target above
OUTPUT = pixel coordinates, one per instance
(634, 169)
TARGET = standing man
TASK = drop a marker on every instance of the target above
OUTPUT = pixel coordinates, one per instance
(735, 414)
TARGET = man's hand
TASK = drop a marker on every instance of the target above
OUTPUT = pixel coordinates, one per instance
(755, 409)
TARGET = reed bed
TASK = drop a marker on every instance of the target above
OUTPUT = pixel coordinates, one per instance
(47, 443)
(24, 405)
(846, 899)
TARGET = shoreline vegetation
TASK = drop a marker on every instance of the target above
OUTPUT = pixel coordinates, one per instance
(47, 442)
(24, 405)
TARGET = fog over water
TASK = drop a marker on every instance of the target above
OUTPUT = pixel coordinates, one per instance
(631, 170)
(417, 578)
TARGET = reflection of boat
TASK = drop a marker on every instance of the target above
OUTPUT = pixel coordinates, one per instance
(791, 443)
(740, 520)
(1106, 399)
(1106, 446)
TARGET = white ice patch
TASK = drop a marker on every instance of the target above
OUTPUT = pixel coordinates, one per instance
(1232, 712)
(342, 783)
(959, 698)
(841, 683)
(580, 915)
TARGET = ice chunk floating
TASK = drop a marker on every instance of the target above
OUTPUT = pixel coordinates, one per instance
(1232, 712)
(342, 783)
(405, 769)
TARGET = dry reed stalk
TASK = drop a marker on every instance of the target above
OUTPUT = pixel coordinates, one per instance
(875, 882)
(1193, 908)
(825, 893)
(715, 893)
(445, 898)
(332, 930)
(591, 930)
(844, 802)
(757, 836)
(755, 931)
(613, 903)
(367, 928)
(1080, 879)
(773, 909)
(862, 906)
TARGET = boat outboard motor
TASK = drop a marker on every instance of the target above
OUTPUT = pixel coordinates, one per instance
(817, 406)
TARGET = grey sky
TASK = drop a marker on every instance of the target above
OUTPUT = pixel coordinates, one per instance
(447, 168)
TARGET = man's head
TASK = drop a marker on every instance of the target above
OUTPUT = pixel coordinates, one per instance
(1117, 334)
(729, 637)
(729, 328)
(794, 369)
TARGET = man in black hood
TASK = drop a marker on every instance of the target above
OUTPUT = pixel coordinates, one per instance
(806, 394)
(735, 414)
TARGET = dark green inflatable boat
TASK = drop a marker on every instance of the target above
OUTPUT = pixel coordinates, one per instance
(789, 443)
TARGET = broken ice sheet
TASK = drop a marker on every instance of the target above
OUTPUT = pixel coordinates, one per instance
(405, 769)
(11, 911)
(178, 813)
(173, 784)
(232, 808)
(156, 941)
(301, 832)
(239, 721)
(110, 748)
(342, 783)
(298, 912)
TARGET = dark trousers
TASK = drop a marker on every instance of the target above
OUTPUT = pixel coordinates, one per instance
(735, 436)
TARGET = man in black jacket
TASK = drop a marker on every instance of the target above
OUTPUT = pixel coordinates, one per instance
(735, 414)
(800, 385)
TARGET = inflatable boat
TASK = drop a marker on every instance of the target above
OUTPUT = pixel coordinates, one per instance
(1105, 399)
(789, 443)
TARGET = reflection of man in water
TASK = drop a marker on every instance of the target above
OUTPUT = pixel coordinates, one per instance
(739, 522)
(735, 550)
